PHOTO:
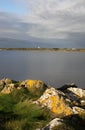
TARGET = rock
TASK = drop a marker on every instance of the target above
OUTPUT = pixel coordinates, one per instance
(8, 81)
(72, 97)
(78, 110)
(6, 86)
(54, 123)
(66, 103)
(55, 101)
(5, 82)
(82, 103)
(78, 91)
(36, 87)
(8, 89)
(69, 91)
(66, 86)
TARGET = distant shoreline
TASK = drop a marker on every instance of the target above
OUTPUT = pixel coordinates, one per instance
(45, 49)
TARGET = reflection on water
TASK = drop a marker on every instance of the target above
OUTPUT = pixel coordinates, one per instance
(54, 68)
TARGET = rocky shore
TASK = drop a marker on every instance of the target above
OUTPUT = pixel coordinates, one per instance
(66, 105)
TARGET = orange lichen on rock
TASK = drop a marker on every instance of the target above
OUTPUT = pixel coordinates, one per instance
(31, 83)
(55, 101)
(36, 87)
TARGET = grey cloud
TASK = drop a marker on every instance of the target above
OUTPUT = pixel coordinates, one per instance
(51, 20)
(7, 21)
(56, 17)
(78, 39)
(12, 25)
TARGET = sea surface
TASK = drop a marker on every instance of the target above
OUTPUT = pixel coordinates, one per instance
(54, 68)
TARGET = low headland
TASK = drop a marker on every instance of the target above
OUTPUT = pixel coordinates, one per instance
(46, 49)
(33, 105)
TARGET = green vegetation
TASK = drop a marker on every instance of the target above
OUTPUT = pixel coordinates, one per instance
(17, 112)
(6, 103)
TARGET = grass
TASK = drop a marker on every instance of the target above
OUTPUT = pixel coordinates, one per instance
(6, 103)
(17, 112)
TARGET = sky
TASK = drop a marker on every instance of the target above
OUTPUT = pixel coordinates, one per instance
(59, 22)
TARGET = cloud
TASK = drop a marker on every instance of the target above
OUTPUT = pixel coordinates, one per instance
(78, 39)
(56, 18)
(46, 19)
(11, 25)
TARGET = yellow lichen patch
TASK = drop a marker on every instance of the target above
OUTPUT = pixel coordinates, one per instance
(30, 83)
(36, 83)
(58, 106)
(55, 102)
(36, 87)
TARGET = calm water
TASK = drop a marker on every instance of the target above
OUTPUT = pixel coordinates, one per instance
(54, 68)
